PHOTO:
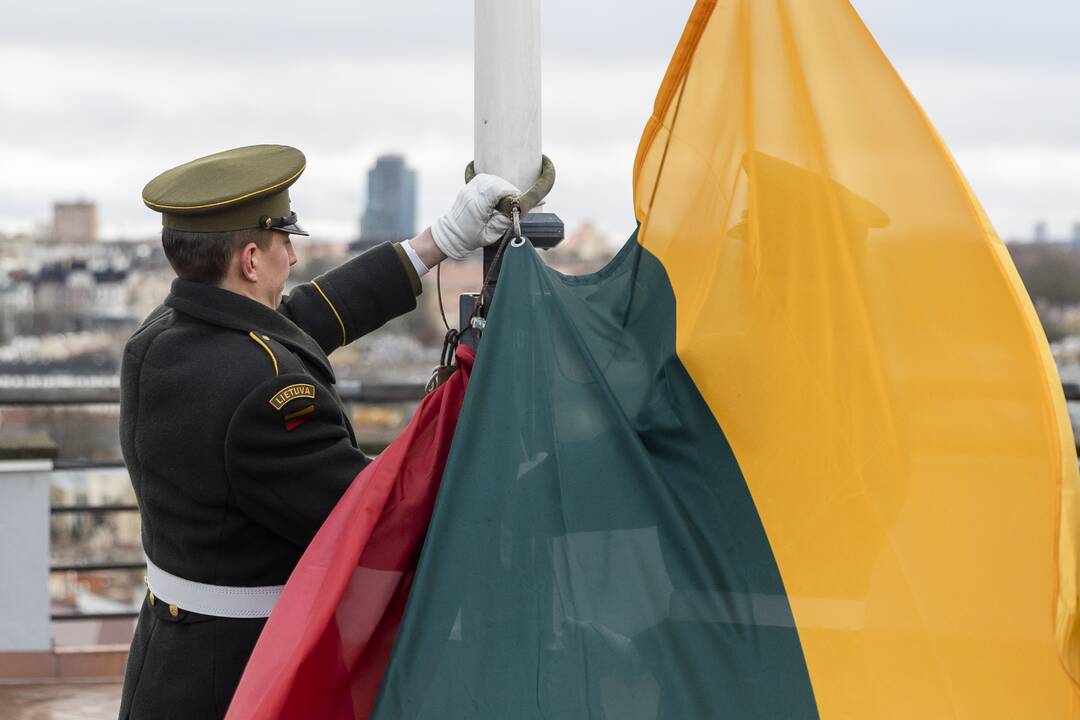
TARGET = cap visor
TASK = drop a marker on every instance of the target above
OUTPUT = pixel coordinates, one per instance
(293, 229)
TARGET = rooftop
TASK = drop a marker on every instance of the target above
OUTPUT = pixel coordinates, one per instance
(50, 701)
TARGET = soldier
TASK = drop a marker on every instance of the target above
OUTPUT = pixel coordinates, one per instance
(235, 439)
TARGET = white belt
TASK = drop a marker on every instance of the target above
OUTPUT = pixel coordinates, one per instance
(216, 600)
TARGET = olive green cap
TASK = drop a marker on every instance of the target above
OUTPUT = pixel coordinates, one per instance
(236, 189)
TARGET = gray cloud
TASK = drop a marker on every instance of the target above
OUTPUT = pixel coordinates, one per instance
(997, 32)
(1039, 32)
(105, 95)
(599, 28)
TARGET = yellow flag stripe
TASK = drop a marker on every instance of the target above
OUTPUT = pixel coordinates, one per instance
(859, 332)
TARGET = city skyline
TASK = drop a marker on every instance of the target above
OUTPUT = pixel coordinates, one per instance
(88, 114)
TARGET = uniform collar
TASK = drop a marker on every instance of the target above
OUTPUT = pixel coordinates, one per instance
(231, 310)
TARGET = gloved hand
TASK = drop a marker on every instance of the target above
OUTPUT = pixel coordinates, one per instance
(473, 222)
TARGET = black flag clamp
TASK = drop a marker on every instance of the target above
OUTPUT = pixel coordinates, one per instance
(543, 230)
(446, 361)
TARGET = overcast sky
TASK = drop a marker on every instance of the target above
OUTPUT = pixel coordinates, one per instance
(97, 98)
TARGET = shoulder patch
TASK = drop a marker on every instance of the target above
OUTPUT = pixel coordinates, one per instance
(300, 390)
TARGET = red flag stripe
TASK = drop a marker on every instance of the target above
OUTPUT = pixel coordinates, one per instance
(325, 647)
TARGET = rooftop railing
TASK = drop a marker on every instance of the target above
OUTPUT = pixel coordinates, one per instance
(28, 465)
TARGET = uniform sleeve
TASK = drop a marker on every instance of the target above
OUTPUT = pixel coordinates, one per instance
(289, 456)
(354, 298)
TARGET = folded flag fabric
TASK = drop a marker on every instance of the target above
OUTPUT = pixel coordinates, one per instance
(799, 451)
(327, 642)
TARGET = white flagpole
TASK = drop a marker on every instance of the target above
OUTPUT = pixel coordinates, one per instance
(507, 90)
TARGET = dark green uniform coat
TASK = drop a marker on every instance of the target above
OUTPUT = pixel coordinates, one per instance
(238, 447)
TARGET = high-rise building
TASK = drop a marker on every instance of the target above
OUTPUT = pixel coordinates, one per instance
(74, 222)
(390, 212)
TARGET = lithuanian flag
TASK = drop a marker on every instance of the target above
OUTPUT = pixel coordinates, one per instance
(799, 451)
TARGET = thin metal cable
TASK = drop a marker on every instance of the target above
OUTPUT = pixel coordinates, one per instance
(489, 279)
(438, 290)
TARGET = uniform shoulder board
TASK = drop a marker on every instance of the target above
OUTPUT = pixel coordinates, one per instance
(263, 342)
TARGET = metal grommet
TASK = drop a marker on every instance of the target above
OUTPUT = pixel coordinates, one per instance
(517, 242)
(173, 610)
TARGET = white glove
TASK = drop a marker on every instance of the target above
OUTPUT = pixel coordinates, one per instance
(473, 222)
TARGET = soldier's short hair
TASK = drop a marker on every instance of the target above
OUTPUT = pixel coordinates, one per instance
(204, 257)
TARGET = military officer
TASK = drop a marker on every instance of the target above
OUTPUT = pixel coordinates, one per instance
(235, 439)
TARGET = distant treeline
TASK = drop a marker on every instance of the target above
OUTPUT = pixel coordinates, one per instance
(1050, 271)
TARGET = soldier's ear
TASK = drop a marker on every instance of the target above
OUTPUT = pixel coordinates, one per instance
(247, 262)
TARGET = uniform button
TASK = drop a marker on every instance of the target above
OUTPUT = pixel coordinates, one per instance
(151, 599)
(173, 610)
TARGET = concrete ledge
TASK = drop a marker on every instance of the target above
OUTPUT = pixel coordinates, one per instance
(27, 446)
(101, 662)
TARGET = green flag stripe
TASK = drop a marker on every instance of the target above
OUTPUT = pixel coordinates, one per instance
(595, 551)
